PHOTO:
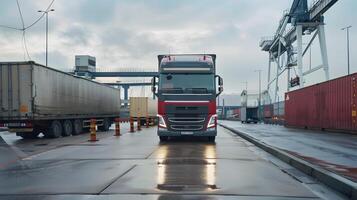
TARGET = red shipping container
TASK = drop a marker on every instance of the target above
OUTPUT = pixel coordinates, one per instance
(236, 113)
(268, 111)
(330, 105)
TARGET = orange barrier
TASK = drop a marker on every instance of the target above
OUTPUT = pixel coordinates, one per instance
(117, 127)
(131, 125)
(93, 132)
(138, 123)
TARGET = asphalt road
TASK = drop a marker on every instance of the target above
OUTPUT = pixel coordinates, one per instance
(336, 152)
(138, 166)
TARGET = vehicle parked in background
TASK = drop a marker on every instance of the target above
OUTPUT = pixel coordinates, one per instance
(249, 114)
(36, 99)
(142, 108)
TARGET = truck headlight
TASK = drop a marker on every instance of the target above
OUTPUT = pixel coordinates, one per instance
(212, 121)
(162, 123)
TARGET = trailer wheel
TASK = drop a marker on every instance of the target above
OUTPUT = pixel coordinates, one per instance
(55, 129)
(77, 127)
(105, 126)
(28, 135)
(67, 128)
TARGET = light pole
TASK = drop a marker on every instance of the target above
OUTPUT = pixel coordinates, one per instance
(347, 28)
(260, 93)
(246, 86)
(46, 13)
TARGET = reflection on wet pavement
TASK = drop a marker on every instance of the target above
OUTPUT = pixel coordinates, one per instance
(198, 172)
(138, 166)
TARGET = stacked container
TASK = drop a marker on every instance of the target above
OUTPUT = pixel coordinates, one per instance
(328, 105)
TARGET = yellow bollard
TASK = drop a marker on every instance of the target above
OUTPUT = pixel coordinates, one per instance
(93, 132)
(117, 127)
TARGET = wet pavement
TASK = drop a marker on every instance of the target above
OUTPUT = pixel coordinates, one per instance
(336, 152)
(138, 166)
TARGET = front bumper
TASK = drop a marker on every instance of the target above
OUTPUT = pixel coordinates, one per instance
(207, 133)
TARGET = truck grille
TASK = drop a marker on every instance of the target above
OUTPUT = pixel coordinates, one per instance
(186, 123)
(181, 120)
(186, 127)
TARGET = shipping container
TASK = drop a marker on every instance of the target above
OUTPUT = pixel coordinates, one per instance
(236, 113)
(330, 105)
(229, 114)
(268, 111)
(279, 109)
(35, 99)
(142, 107)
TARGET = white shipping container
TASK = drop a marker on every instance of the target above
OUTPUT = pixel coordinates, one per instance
(142, 107)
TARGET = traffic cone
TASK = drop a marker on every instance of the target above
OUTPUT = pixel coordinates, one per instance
(93, 131)
(117, 127)
(131, 125)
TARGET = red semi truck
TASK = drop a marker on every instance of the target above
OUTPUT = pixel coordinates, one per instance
(186, 92)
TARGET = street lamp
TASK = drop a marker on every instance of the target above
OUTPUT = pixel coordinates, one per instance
(347, 28)
(46, 12)
(260, 93)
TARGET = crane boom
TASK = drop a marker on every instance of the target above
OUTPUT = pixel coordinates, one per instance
(319, 8)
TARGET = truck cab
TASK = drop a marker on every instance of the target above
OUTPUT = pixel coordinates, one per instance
(186, 89)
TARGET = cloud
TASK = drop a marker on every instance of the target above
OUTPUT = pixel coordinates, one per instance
(125, 34)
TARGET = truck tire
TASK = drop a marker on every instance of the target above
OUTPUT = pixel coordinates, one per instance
(28, 135)
(164, 138)
(55, 130)
(67, 128)
(105, 126)
(77, 127)
(211, 138)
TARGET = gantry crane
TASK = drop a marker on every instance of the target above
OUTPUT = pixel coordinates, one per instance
(285, 48)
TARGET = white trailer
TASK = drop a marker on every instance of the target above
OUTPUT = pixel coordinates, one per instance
(35, 99)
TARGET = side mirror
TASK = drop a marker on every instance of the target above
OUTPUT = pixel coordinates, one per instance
(220, 81)
(220, 85)
(153, 85)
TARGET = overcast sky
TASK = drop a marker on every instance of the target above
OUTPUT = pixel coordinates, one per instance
(129, 34)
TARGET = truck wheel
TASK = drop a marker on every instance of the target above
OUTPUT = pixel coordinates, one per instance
(77, 127)
(55, 130)
(105, 126)
(164, 138)
(67, 128)
(28, 135)
(211, 138)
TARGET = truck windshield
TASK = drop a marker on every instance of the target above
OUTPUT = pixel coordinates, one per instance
(187, 83)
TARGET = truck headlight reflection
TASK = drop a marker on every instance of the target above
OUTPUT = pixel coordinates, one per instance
(195, 171)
